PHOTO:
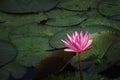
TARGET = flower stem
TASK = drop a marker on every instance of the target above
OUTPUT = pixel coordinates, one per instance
(80, 66)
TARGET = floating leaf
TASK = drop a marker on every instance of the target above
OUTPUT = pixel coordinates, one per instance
(115, 24)
(94, 18)
(15, 69)
(25, 6)
(104, 49)
(55, 41)
(110, 8)
(34, 30)
(32, 42)
(78, 5)
(30, 58)
(7, 52)
(64, 18)
(4, 32)
(22, 19)
(4, 75)
(29, 30)
(113, 53)
(1, 20)
(101, 49)
(53, 63)
(30, 49)
(116, 17)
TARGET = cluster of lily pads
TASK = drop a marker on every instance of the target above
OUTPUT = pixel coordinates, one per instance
(31, 33)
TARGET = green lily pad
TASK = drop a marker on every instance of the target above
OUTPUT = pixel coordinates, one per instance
(4, 75)
(78, 5)
(103, 51)
(115, 24)
(30, 30)
(61, 17)
(116, 17)
(21, 19)
(113, 53)
(110, 8)
(1, 20)
(53, 63)
(55, 40)
(30, 49)
(26, 6)
(4, 32)
(94, 18)
(34, 30)
(16, 70)
(7, 52)
(30, 58)
(32, 42)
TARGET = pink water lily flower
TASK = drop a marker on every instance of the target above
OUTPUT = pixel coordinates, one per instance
(77, 42)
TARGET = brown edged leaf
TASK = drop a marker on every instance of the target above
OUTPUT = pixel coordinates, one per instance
(53, 63)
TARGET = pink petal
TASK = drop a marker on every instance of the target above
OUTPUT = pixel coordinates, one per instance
(76, 34)
(69, 50)
(68, 44)
(69, 37)
(72, 45)
(85, 40)
(88, 44)
(73, 36)
(78, 46)
(77, 39)
(81, 35)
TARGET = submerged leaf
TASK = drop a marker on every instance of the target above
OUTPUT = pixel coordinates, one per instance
(53, 63)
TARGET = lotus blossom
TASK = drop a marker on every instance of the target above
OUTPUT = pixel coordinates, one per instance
(77, 42)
